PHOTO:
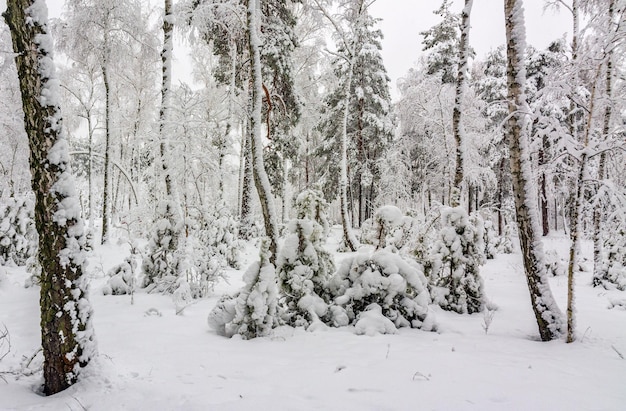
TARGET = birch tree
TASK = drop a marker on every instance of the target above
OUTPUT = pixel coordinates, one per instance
(548, 315)
(164, 249)
(457, 126)
(67, 336)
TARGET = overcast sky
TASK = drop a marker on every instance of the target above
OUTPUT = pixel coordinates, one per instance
(403, 20)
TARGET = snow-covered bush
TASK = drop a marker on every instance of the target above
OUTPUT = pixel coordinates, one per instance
(202, 265)
(505, 242)
(252, 311)
(555, 265)
(397, 285)
(456, 257)
(18, 236)
(122, 278)
(303, 270)
(491, 240)
(162, 260)
(310, 205)
(390, 229)
(221, 232)
(612, 274)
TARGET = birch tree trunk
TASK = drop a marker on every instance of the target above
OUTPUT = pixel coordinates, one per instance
(348, 235)
(457, 127)
(66, 334)
(548, 316)
(261, 179)
(597, 212)
(106, 211)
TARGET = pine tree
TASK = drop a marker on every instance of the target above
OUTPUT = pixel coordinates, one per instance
(66, 333)
(362, 100)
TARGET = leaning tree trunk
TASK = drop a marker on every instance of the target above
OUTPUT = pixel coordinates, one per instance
(66, 334)
(548, 316)
(457, 127)
(261, 179)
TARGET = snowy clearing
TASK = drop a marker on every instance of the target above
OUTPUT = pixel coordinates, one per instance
(152, 359)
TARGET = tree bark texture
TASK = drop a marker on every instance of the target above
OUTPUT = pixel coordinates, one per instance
(66, 334)
(457, 127)
(548, 316)
(606, 127)
(261, 179)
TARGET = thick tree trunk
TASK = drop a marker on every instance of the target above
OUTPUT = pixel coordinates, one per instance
(548, 316)
(457, 127)
(66, 334)
(261, 179)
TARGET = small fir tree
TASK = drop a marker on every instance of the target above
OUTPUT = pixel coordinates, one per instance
(456, 257)
(253, 311)
(303, 265)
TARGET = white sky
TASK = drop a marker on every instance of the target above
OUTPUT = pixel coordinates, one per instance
(403, 20)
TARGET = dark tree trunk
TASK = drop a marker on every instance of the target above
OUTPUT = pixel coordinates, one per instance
(66, 335)
(548, 316)
(106, 211)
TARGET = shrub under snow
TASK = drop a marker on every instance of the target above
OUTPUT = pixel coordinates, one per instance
(252, 311)
(310, 205)
(389, 229)
(364, 283)
(612, 274)
(455, 260)
(18, 236)
(303, 270)
(122, 278)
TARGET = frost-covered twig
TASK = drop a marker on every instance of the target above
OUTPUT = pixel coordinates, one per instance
(419, 374)
(617, 351)
(5, 342)
(487, 319)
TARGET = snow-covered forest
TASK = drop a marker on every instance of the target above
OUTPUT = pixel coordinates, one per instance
(274, 231)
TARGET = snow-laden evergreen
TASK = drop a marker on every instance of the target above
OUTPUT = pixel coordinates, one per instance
(311, 205)
(252, 312)
(390, 229)
(366, 282)
(18, 236)
(303, 265)
(612, 273)
(456, 257)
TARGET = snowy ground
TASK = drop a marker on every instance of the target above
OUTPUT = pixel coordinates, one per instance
(169, 362)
